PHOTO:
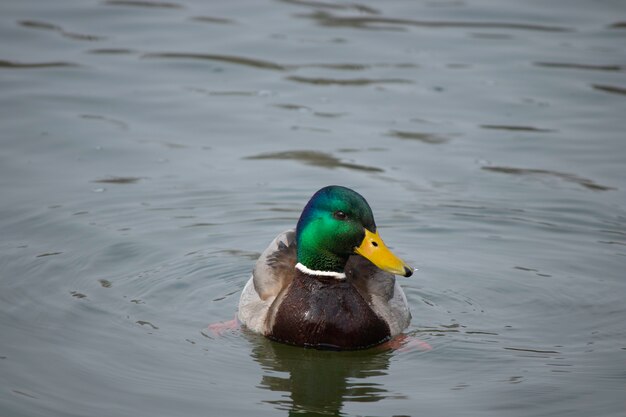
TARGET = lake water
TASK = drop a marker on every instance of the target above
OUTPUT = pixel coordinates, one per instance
(150, 150)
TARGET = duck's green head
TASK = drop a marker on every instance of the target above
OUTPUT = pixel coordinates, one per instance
(337, 222)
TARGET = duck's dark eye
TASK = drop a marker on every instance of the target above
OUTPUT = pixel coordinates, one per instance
(340, 215)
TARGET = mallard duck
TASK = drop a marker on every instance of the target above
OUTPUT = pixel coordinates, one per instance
(328, 284)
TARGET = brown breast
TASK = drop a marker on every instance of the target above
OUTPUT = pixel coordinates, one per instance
(326, 313)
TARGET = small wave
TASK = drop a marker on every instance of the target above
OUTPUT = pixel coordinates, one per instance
(30, 65)
(429, 138)
(569, 65)
(239, 60)
(584, 182)
(144, 3)
(315, 158)
(348, 81)
(389, 23)
(609, 89)
(517, 128)
(54, 28)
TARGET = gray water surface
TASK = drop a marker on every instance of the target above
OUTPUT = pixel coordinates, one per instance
(151, 150)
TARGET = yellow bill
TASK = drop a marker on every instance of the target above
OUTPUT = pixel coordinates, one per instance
(373, 248)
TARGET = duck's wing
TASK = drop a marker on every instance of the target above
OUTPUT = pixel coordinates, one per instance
(273, 271)
(381, 290)
(275, 268)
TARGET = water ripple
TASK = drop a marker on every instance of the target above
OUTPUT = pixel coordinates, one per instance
(112, 51)
(389, 23)
(348, 81)
(584, 182)
(618, 25)
(517, 128)
(335, 6)
(569, 65)
(429, 138)
(270, 65)
(249, 62)
(306, 109)
(211, 19)
(115, 122)
(357, 67)
(609, 89)
(532, 350)
(54, 28)
(144, 3)
(315, 158)
(118, 180)
(30, 65)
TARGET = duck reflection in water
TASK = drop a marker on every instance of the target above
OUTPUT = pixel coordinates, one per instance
(319, 382)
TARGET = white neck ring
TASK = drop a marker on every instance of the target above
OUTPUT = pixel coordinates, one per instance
(332, 274)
